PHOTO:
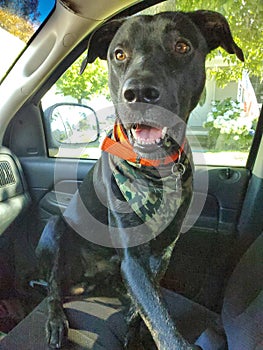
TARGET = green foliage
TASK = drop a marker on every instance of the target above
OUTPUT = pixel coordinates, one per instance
(92, 82)
(16, 25)
(228, 126)
(245, 18)
(28, 10)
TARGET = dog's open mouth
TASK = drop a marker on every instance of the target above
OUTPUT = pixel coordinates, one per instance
(154, 141)
(148, 136)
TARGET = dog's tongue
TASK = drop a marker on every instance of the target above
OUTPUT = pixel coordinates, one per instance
(146, 132)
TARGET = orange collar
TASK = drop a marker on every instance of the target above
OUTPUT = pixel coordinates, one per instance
(120, 146)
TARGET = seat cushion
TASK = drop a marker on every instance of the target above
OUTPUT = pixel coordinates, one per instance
(95, 323)
(242, 312)
(99, 324)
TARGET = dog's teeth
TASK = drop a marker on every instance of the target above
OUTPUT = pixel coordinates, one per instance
(142, 141)
(164, 131)
(145, 142)
(158, 141)
(133, 133)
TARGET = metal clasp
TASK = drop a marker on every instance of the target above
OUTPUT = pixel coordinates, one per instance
(178, 169)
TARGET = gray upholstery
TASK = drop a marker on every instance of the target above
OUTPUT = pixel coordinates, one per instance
(98, 323)
(242, 313)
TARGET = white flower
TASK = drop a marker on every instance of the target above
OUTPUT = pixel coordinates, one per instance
(210, 117)
(228, 113)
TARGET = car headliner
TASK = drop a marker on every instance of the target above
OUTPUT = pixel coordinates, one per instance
(96, 10)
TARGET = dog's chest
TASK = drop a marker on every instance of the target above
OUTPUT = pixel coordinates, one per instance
(101, 270)
(96, 262)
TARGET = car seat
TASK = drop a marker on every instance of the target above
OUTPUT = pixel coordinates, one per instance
(98, 323)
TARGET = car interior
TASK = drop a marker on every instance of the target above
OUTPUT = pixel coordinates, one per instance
(216, 272)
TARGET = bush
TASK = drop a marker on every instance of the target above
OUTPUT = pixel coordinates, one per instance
(229, 128)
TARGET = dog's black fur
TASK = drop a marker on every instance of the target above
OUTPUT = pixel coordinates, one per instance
(154, 61)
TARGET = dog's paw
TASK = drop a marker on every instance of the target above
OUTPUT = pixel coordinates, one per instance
(57, 331)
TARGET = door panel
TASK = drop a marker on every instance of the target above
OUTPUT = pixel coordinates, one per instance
(226, 190)
(52, 182)
(44, 173)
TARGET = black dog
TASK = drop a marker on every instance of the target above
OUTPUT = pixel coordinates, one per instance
(137, 195)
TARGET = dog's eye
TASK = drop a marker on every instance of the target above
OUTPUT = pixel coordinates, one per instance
(120, 55)
(182, 47)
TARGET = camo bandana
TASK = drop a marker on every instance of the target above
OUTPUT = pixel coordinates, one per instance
(154, 199)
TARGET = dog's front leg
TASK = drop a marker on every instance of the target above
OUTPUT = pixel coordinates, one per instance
(49, 255)
(148, 301)
(57, 323)
(157, 270)
(139, 276)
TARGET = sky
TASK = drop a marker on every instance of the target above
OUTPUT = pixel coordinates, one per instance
(44, 7)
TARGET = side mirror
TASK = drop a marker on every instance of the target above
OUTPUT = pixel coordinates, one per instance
(71, 123)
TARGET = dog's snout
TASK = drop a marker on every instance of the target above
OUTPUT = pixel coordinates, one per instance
(137, 91)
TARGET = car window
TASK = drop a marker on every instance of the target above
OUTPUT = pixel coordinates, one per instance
(220, 128)
(19, 20)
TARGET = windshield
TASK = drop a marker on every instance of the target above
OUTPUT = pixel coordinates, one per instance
(19, 20)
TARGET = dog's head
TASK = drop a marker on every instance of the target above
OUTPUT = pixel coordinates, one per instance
(157, 72)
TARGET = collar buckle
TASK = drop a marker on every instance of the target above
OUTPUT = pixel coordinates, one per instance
(178, 168)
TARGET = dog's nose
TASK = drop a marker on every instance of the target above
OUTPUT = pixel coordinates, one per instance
(136, 91)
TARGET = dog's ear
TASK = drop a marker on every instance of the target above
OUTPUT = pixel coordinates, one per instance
(216, 31)
(99, 42)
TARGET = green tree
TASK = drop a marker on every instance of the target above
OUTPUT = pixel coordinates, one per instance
(92, 82)
(245, 18)
(16, 25)
(25, 9)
